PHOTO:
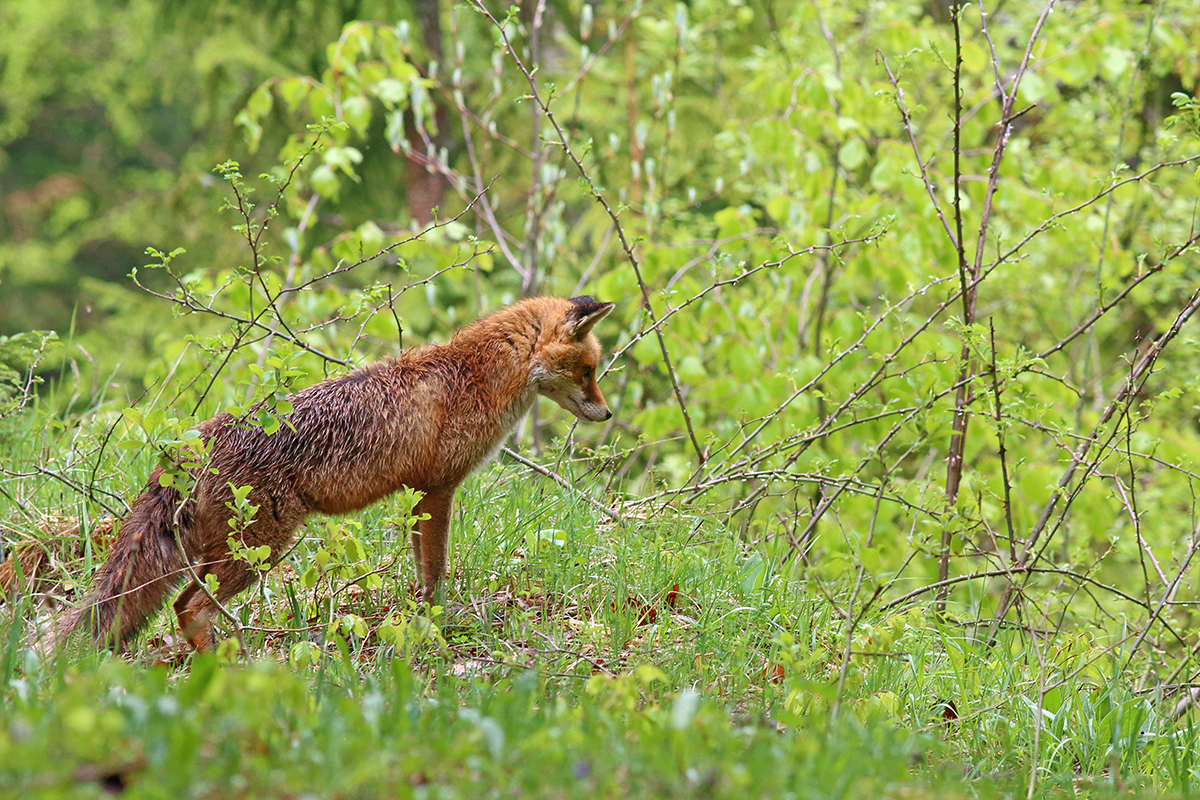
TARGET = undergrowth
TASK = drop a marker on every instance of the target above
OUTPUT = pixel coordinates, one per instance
(571, 656)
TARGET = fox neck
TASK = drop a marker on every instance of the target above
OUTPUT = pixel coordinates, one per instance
(511, 393)
(501, 374)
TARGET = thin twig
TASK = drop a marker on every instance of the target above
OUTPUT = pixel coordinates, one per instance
(565, 144)
(611, 513)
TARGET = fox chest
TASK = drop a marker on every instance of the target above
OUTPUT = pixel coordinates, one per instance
(471, 444)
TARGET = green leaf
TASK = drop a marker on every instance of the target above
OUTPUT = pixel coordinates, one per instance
(344, 159)
(1033, 88)
(391, 91)
(325, 182)
(302, 654)
(371, 237)
(260, 101)
(253, 130)
(647, 674)
(753, 574)
(309, 578)
(268, 421)
(356, 111)
(852, 154)
(293, 91)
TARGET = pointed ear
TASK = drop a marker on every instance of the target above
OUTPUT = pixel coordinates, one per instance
(584, 313)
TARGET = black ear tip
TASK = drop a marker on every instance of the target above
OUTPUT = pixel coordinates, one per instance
(585, 305)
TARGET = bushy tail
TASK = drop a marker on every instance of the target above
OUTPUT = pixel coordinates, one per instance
(144, 565)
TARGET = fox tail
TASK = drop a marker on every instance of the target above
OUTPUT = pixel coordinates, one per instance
(144, 565)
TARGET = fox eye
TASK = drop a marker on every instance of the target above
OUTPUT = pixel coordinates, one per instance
(587, 373)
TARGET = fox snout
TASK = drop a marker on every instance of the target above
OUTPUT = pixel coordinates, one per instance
(584, 399)
(592, 412)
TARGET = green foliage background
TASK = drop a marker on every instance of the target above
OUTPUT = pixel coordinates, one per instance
(766, 189)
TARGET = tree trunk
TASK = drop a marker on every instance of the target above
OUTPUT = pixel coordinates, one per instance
(426, 187)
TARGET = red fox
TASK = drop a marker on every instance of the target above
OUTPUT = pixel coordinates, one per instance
(424, 419)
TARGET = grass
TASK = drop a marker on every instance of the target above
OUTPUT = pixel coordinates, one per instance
(572, 658)
(263, 731)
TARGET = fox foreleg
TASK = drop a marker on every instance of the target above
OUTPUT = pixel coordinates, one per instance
(430, 538)
(194, 631)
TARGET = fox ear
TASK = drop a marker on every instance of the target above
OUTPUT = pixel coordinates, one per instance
(584, 313)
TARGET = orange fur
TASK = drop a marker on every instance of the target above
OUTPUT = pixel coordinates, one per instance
(424, 420)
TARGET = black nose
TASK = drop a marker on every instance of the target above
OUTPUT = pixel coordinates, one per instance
(608, 413)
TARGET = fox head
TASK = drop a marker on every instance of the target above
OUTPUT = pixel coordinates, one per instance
(568, 357)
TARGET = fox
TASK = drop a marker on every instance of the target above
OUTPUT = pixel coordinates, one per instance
(424, 419)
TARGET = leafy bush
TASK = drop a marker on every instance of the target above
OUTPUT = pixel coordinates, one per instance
(903, 336)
